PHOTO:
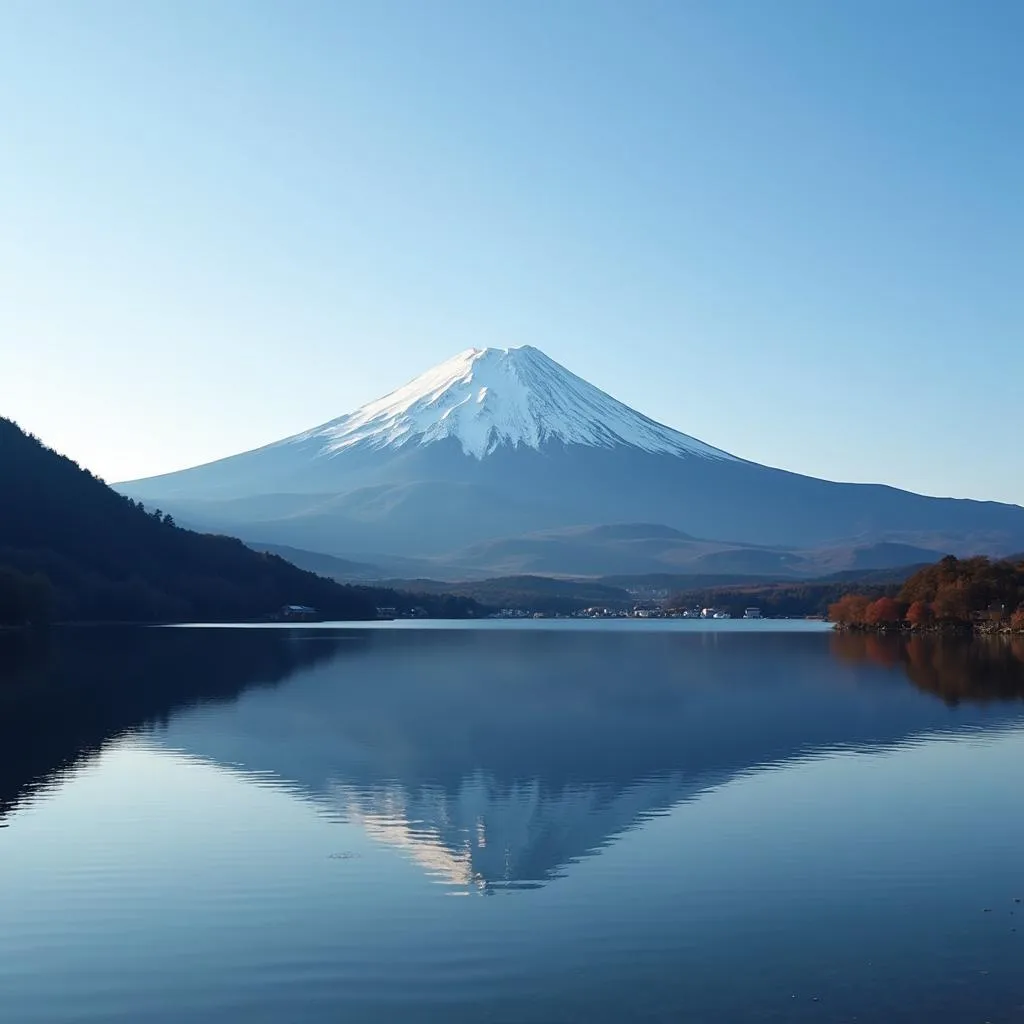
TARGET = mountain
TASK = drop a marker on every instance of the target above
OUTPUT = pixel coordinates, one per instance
(496, 444)
(626, 549)
(72, 547)
(342, 569)
(638, 548)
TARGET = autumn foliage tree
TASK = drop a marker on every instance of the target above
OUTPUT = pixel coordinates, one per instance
(953, 592)
(849, 610)
(919, 614)
(1017, 620)
(886, 611)
(956, 587)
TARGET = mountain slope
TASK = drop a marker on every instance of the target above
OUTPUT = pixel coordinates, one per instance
(495, 444)
(105, 558)
(342, 569)
(641, 550)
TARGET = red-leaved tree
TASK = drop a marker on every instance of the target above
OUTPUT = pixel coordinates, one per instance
(886, 611)
(919, 614)
(849, 610)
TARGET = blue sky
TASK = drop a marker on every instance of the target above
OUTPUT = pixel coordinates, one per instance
(793, 229)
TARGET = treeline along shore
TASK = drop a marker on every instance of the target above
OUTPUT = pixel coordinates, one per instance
(979, 595)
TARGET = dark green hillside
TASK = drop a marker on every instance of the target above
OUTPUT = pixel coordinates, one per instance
(533, 593)
(71, 548)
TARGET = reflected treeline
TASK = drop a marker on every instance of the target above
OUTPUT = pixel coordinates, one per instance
(66, 693)
(957, 669)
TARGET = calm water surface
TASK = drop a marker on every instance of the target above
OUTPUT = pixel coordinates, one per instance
(510, 824)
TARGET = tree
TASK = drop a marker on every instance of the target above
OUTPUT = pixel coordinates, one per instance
(24, 599)
(884, 612)
(1017, 620)
(919, 614)
(849, 610)
(951, 604)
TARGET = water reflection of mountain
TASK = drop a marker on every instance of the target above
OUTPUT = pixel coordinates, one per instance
(494, 758)
(499, 758)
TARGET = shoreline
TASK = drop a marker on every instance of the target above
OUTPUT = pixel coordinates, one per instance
(939, 629)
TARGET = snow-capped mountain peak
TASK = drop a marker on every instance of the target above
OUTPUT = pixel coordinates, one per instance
(489, 397)
(544, 451)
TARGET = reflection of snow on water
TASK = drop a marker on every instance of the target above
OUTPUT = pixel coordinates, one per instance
(483, 836)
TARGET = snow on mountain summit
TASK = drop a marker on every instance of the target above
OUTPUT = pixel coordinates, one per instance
(488, 397)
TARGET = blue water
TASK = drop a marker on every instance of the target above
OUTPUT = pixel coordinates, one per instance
(603, 822)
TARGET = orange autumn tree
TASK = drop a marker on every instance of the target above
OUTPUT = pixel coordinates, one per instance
(886, 611)
(849, 610)
(954, 588)
(919, 614)
(951, 593)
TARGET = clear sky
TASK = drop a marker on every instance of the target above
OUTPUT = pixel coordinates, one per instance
(793, 229)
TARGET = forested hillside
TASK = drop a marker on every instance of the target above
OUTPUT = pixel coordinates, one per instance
(71, 548)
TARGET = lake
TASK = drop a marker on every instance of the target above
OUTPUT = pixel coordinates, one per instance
(550, 822)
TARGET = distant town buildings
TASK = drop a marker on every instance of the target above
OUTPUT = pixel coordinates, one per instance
(637, 612)
(394, 613)
(297, 613)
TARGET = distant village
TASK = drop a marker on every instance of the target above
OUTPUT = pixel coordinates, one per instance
(633, 613)
(304, 613)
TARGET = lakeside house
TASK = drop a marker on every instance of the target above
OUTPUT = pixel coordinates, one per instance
(297, 613)
(715, 613)
(996, 612)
